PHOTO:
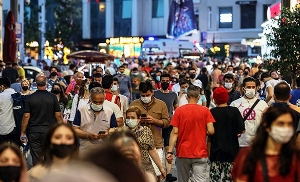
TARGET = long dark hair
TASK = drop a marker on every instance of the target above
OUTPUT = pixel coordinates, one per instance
(47, 157)
(63, 97)
(258, 147)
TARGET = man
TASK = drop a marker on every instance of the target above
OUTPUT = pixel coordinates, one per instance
(20, 70)
(123, 99)
(10, 72)
(8, 130)
(93, 121)
(107, 82)
(270, 84)
(193, 73)
(154, 115)
(171, 100)
(73, 87)
(184, 84)
(191, 124)
(99, 70)
(205, 79)
(295, 99)
(72, 69)
(97, 78)
(42, 110)
(136, 78)
(54, 78)
(215, 76)
(244, 104)
(233, 94)
(125, 83)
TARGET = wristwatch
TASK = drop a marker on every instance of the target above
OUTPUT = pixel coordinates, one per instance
(170, 153)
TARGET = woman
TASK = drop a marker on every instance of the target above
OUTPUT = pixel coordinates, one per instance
(12, 165)
(60, 147)
(80, 99)
(202, 99)
(59, 91)
(145, 140)
(146, 75)
(25, 88)
(272, 156)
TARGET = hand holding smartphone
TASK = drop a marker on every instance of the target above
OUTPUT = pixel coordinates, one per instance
(102, 132)
(144, 115)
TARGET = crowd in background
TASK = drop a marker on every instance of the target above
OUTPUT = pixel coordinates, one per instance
(230, 116)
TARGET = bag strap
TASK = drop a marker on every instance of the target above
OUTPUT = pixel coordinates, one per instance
(250, 110)
(264, 168)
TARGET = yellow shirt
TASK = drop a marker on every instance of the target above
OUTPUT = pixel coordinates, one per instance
(21, 72)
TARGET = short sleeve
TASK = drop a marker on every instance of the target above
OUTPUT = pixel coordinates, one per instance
(149, 139)
(77, 119)
(113, 121)
(175, 118)
(175, 100)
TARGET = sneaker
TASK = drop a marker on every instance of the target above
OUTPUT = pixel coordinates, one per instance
(170, 178)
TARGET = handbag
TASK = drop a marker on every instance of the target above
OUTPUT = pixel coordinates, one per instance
(250, 110)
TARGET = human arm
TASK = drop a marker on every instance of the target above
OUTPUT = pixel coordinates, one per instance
(25, 122)
(154, 155)
(210, 130)
(164, 121)
(172, 141)
(85, 135)
(270, 91)
(74, 107)
(59, 117)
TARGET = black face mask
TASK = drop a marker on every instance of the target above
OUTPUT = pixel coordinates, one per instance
(25, 88)
(192, 76)
(55, 91)
(164, 85)
(62, 150)
(53, 74)
(10, 173)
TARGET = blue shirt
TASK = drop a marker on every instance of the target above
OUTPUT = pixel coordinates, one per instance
(124, 84)
(295, 97)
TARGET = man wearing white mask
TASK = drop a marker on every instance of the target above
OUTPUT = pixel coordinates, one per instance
(154, 115)
(251, 109)
(233, 94)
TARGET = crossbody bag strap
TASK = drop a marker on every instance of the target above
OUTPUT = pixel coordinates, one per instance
(264, 169)
(250, 110)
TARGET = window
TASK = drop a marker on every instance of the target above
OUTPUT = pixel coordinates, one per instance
(225, 17)
(127, 9)
(197, 18)
(209, 18)
(248, 16)
(265, 12)
(157, 8)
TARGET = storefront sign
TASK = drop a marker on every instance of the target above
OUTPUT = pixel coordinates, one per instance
(124, 40)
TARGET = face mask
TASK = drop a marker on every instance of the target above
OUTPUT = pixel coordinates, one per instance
(192, 76)
(250, 93)
(158, 78)
(131, 123)
(114, 88)
(10, 173)
(53, 74)
(55, 91)
(228, 86)
(281, 135)
(135, 74)
(146, 100)
(164, 85)
(62, 150)
(96, 107)
(25, 88)
(87, 87)
(185, 90)
(229, 72)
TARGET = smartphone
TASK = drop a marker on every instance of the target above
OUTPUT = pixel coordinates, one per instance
(101, 132)
(144, 115)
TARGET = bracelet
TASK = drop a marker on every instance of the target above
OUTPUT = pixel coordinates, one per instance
(170, 153)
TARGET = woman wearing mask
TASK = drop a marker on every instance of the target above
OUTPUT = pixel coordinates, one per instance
(25, 88)
(80, 99)
(145, 140)
(59, 91)
(272, 156)
(60, 147)
(12, 164)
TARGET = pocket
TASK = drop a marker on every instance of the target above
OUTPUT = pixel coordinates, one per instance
(157, 114)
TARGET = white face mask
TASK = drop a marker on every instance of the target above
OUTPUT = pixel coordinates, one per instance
(281, 135)
(96, 107)
(114, 88)
(131, 123)
(144, 74)
(250, 93)
(146, 100)
(228, 86)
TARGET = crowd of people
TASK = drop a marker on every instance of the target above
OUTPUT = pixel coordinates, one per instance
(127, 122)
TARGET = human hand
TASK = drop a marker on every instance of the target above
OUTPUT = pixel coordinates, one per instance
(169, 158)
(163, 173)
(148, 119)
(103, 135)
(23, 138)
(93, 136)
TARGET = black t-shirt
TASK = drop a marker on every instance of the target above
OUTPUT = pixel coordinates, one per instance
(42, 106)
(170, 99)
(11, 73)
(224, 143)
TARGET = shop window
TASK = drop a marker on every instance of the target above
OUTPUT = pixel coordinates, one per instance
(157, 8)
(225, 17)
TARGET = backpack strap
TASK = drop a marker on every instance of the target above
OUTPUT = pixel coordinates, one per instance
(250, 110)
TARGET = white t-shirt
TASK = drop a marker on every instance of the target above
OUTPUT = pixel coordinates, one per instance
(271, 83)
(253, 120)
(114, 107)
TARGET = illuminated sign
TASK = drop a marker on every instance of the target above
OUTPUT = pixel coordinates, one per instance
(226, 18)
(124, 40)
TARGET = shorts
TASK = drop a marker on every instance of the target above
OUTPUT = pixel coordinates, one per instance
(166, 132)
(160, 155)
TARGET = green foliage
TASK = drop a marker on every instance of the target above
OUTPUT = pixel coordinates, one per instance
(284, 37)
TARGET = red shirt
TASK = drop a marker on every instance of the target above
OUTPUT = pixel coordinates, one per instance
(191, 121)
(272, 165)
(109, 96)
(148, 69)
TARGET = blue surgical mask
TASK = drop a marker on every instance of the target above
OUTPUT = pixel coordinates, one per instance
(158, 78)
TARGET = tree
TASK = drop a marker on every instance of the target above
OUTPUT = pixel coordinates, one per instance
(283, 35)
(31, 25)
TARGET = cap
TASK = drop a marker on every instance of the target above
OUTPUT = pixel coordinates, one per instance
(220, 95)
(198, 83)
